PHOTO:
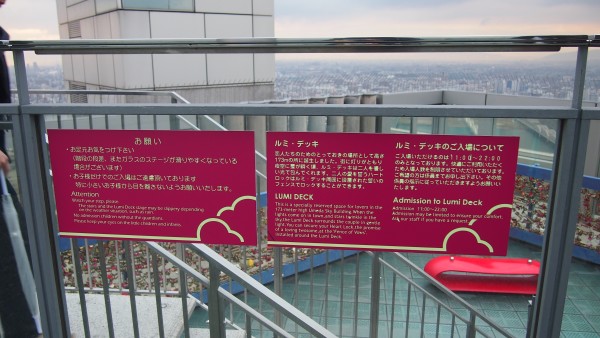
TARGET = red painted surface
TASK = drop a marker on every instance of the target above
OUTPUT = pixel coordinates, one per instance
(191, 186)
(423, 193)
(485, 274)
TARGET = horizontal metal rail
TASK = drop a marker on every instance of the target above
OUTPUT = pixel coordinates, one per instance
(538, 112)
(323, 45)
(173, 95)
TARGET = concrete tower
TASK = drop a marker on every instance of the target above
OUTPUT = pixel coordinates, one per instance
(205, 78)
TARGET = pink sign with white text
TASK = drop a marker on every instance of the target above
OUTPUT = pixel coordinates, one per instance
(395, 192)
(189, 186)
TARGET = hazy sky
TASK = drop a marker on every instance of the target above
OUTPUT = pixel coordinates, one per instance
(317, 18)
(36, 19)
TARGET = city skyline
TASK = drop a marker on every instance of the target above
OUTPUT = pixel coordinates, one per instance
(37, 20)
(301, 79)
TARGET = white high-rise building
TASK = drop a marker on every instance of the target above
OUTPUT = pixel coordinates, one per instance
(197, 77)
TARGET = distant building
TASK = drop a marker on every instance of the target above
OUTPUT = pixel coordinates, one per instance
(198, 77)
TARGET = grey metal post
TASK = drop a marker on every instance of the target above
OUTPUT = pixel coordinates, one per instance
(471, 333)
(368, 123)
(81, 287)
(105, 289)
(278, 279)
(375, 289)
(352, 123)
(233, 122)
(317, 123)
(335, 123)
(562, 217)
(216, 310)
(131, 284)
(298, 123)
(173, 122)
(278, 122)
(180, 253)
(33, 181)
(438, 125)
(159, 314)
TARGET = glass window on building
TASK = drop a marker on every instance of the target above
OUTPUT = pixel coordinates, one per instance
(167, 5)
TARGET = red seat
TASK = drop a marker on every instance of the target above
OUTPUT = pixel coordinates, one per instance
(483, 274)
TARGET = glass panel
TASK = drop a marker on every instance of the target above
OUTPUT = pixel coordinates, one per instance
(537, 142)
(422, 125)
(399, 125)
(460, 126)
(103, 6)
(174, 5)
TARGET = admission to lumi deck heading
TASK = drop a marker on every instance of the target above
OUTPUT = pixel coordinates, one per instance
(436, 201)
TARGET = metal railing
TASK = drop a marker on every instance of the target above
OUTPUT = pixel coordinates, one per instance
(29, 127)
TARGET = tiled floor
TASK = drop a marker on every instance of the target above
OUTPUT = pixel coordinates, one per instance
(327, 305)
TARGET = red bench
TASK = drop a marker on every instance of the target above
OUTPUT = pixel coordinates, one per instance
(483, 274)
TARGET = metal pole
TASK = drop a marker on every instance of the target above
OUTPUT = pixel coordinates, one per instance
(155, 272)
(375, 287)
(562, 217)
(278, 279)
(471, 326)
(216, 311)
(81, 287)
(28, 134)
(131, 284)
(105, 289)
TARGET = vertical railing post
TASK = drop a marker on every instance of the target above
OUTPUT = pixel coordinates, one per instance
(562, 217)
(216, 310)
(131, 285)
(530, 307)
(277, 279)
(471, 333)
(375, 288)
(33, 182)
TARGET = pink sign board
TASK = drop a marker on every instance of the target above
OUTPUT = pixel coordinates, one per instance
(395, 192)
(189, 186)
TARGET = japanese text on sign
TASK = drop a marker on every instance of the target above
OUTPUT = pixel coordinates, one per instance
(429, 193)
(159, 185)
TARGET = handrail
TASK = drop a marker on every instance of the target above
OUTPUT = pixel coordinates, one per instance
(443, 288)
(278, 303)
(224, 293)
(539, 43)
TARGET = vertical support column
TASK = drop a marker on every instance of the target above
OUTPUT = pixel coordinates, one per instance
(278, 280)
(368, 123)
(438, 126)
(317, 123)
(33, 181)
(173, 122)
(562, 217)
(232, 122)
(335, 123)
(352, 123)
(298, 123)
(278, 122)
(375, 290)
